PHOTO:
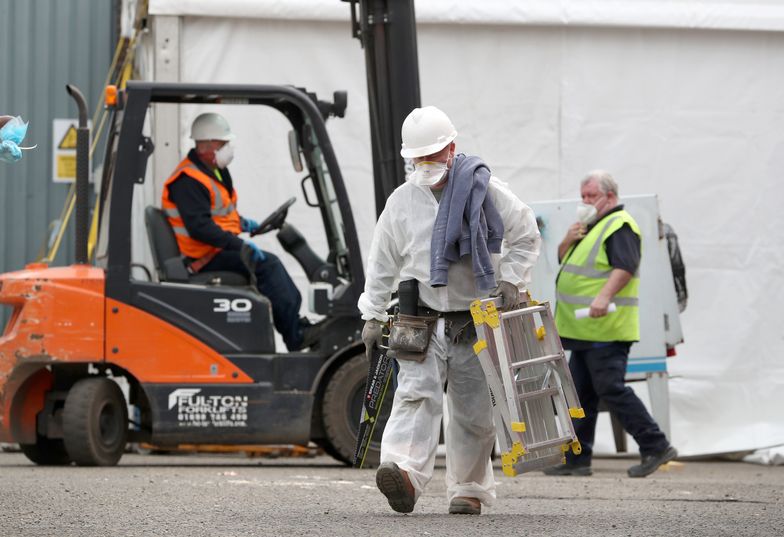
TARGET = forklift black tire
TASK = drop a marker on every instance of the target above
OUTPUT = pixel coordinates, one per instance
(342, 407)
(95, 422)
(46, 452)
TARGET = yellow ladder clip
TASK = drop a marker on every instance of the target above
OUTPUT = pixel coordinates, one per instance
(477, 313)
(540, 333)
(491, 316)
(518, 426)
(508, 461)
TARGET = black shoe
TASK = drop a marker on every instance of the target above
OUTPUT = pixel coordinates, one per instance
(568, 469)
(651, 463)
(311, 334)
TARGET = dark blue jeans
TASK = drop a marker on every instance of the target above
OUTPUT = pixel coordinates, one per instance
(274, 282)
(598, 373)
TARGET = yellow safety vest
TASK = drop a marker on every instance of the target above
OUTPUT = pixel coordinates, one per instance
(584, 271)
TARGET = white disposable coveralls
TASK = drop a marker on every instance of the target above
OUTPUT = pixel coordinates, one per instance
(401, 251)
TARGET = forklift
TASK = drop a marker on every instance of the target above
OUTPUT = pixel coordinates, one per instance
(193, 355)
(196, 351)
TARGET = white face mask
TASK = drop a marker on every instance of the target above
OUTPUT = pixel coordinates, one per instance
(427, 173)
(586, 214)
(224, 155)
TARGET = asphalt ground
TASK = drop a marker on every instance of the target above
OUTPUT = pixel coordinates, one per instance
(228, 495)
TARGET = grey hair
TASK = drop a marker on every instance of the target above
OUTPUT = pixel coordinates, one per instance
(605, 181)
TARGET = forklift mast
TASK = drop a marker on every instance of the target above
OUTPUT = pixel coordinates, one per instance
(386, 30)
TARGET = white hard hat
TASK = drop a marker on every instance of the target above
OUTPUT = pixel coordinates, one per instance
(211, 126)
(425, 131)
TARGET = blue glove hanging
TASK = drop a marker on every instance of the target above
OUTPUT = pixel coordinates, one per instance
(248, 225)
(11, 135)
(258, 255)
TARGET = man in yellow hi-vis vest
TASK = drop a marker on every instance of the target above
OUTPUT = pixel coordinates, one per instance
(597, 315)
(200, 203)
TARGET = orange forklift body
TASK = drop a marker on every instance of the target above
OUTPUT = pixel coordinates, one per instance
(58, 316)
(61, 315)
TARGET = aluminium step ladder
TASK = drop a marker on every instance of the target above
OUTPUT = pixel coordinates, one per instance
(531, 388)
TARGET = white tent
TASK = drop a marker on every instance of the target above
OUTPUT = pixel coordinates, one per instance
(684, 99)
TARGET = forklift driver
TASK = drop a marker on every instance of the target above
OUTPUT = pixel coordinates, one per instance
(200, 203)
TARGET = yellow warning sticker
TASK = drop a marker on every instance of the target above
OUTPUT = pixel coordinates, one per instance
(66, 166)
(68, 140)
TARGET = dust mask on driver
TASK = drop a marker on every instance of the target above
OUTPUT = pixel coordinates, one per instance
(224, 155)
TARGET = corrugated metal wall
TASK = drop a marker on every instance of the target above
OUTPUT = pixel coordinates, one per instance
(45, 44)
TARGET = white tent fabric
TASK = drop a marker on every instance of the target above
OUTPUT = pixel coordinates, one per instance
(712, 14)
(681, 99)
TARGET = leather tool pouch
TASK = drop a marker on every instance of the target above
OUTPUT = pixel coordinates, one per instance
(410, 337)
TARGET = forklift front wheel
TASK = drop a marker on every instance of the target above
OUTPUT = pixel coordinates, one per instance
(95, 422)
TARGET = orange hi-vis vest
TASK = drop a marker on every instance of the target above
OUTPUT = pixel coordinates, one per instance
(223, 208)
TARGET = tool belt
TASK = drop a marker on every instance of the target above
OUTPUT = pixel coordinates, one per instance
(458, 325)
(410, 335)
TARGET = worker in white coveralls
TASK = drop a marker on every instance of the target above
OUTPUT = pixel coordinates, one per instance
(444, 227)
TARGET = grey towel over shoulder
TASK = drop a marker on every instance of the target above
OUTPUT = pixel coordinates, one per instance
(467, 223)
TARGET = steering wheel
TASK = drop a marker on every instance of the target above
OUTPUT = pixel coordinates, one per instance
(275, 220)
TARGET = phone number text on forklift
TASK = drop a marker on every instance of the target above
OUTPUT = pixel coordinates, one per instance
(209, 410)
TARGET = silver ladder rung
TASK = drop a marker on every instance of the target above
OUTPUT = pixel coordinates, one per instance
(522, 311)
(549, 443)
(539, 463)
(538, 394)
(535, 361)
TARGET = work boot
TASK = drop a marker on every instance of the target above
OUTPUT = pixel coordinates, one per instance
(462, 505)
(651, 463)
(395, 485)
(568, 469)
(311, 333)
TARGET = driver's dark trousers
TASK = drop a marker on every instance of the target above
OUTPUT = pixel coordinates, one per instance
(598, 373)
(274, 282)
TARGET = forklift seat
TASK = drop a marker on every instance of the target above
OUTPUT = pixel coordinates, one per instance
(169, 262)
